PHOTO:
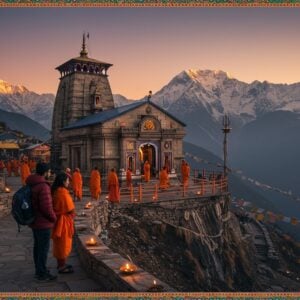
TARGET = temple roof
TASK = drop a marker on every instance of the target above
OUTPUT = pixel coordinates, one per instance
(103, 116)
(82, 58)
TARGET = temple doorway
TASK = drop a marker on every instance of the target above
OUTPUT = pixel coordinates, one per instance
(147, 151)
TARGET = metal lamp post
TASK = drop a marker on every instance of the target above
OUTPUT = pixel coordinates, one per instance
(226, 129)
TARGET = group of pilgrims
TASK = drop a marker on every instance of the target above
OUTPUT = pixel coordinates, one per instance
(22, 167)
(164, 181)
(54, 205)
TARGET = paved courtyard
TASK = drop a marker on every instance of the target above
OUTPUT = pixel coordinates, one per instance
(16, 262)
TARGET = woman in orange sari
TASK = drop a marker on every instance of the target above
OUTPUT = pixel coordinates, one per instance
(63, 230)
(95, 184)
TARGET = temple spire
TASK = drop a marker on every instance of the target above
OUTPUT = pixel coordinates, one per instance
(83, 52)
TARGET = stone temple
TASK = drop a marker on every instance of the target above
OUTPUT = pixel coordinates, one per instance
(88, 130)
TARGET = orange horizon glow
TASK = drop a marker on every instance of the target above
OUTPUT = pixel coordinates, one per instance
(148, 47)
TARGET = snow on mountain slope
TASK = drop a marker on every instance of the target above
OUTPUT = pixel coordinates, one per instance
(17, 98)
(220, 93)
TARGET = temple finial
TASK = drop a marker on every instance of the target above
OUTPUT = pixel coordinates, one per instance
(149, 96)
(83, 52)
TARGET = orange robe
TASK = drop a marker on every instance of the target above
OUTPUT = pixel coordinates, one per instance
(164, 180)
(77, 184)
(25, 172)
(128, 178)
(147, 171)
(185, 175)
(32, 165)
(113, 188)
(15, 167)
(2, 165)
(63, 229)
(8, 168)
(95, 184)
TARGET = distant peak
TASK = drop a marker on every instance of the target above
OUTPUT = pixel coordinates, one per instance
(196, 74)
(8, 88)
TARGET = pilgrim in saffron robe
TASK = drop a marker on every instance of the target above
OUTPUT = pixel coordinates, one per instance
(63, 230)
(95, 184)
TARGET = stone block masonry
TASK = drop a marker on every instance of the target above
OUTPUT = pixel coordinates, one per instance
(100, 261)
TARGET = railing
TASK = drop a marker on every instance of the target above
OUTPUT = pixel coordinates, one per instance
(208, 185)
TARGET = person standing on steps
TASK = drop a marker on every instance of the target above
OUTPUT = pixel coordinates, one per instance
(147, 168)
(128, 178)
(113, 193)
(95, 184)
(44, 219)
(77, 185)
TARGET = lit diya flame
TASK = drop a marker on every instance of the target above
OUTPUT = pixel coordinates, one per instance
(156, 287)
(128, 268)
(198, 193)
(106, 197)
(7, 189)
(135, 200)
(288, 272)
(91, 242)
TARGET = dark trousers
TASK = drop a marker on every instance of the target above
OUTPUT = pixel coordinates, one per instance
(41, 247)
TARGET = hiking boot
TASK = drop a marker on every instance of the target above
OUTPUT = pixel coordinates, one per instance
(37, 275)
(46, 277)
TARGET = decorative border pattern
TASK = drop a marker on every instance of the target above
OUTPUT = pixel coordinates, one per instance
(150, 296)
(149, 3)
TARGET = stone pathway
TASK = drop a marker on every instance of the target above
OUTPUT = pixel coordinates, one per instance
(16, 262)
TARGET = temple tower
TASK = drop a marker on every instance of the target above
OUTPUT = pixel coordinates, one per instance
(83, 90)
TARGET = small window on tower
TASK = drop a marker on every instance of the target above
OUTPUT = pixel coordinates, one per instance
(97, 100)
(78, 68)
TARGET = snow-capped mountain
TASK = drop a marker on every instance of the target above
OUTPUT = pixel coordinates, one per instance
(17, 98)
(220, 93)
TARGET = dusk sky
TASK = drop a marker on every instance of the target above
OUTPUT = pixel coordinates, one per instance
(149, 46)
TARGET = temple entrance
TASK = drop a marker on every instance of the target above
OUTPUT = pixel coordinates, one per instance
(148, 152)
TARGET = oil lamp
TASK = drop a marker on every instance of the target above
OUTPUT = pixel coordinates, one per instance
(198, 193)
(128, 268)
(155, 287)
(7, 189)
(88, 205)
(91, 242)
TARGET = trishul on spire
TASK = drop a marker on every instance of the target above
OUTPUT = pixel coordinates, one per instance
(83, 52)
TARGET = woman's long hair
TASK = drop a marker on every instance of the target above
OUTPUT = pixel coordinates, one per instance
(59, 181)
